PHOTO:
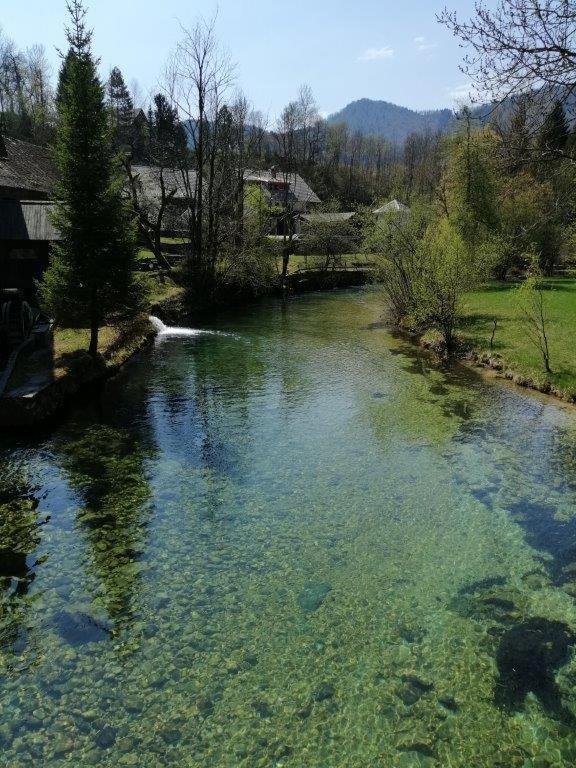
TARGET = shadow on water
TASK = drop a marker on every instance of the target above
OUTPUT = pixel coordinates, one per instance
(528, 655)
(20, 524)
(106, 469)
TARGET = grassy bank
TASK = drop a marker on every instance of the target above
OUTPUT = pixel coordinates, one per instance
(116, 341)
(68, 354)
(298, 262)
(512, 343)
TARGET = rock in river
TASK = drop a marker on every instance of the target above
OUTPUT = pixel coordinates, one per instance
(78, 628)
(313, 595)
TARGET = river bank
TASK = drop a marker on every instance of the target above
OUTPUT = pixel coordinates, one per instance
(489, 362)
(42, 389)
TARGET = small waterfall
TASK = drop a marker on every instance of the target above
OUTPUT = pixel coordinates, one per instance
(166, 330)
(157, 323)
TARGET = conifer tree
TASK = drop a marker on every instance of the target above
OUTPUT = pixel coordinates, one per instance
(121, 110)
(91, 273)
(555, 131)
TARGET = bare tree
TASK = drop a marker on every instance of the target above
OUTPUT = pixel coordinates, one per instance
(532, 307)
(522, 46)
(199, 76)
(26, 96)
(286, 136)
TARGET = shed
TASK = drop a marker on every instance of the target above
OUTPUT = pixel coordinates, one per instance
(26, 233)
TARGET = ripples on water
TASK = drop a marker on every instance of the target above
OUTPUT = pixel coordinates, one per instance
(300, 545)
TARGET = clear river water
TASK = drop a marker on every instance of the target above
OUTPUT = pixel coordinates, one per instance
(294, 543)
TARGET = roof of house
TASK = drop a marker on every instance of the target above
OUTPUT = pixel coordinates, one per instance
(27, 220)
(25, 167)
(328, 218)
(394, 206)
(174, 181)
(298, 187)
(149, 177)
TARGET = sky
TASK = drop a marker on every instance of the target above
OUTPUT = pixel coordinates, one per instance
(392, 50)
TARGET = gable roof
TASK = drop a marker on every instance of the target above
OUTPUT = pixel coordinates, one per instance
(149, 179)
(328, 218)
(26, 169)
(394, 206)
(298, 187)
(174, 181)
(27, 220)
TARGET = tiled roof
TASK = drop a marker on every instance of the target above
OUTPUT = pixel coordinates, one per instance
(26, 220)
(26, 167)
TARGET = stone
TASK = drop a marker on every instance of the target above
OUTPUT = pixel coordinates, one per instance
(324, 692)
(313, 595)
(78, 628)
(263, 709)
(62, 746)
(105, 737)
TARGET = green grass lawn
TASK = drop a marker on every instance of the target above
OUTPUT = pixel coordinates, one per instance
(299, 261)
(512, 343)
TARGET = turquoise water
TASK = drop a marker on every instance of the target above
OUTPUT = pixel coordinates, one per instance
(294, 543)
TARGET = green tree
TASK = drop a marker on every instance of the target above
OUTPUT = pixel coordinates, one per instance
(91, 273)
(471, 185)
(555, 130)
(121, 110)
(448, 269)
(532, 308)
(330, 239)
(395, 241)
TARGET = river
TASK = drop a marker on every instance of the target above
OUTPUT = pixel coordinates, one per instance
(294, 543)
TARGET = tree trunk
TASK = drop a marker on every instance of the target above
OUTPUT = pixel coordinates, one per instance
(94, 326)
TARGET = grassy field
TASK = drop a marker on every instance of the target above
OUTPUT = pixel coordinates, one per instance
(512, 343)
(298, 261)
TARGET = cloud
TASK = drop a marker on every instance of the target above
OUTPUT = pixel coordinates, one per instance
(376, 54)
(462, 94)
(423, 45)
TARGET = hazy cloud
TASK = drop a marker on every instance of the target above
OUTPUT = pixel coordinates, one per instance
(423, 45)
(462, 94)
(376, 54)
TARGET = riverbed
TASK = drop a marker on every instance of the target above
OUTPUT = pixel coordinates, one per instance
(294, 542)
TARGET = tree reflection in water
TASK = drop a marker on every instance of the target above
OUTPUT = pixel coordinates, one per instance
(20, 521)
(106, 469)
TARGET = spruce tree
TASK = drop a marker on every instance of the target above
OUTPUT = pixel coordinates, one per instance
(555, 130)
(91, 273)
(121, 110)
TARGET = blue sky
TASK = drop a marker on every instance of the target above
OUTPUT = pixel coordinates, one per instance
(381, 49)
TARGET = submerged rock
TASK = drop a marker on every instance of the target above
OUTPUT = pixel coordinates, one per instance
(527, 657)
(78, 628)
(106, 737)
(263, 709)
(324, 692)
(413, 688)
(313, 595)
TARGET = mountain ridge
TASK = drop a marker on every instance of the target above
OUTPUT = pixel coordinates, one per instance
(390, 121)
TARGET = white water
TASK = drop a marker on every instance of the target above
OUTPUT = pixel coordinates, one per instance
(166, 330)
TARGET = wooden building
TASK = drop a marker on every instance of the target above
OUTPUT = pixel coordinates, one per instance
(27, 181)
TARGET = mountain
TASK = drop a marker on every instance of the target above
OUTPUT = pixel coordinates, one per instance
(390, 121)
